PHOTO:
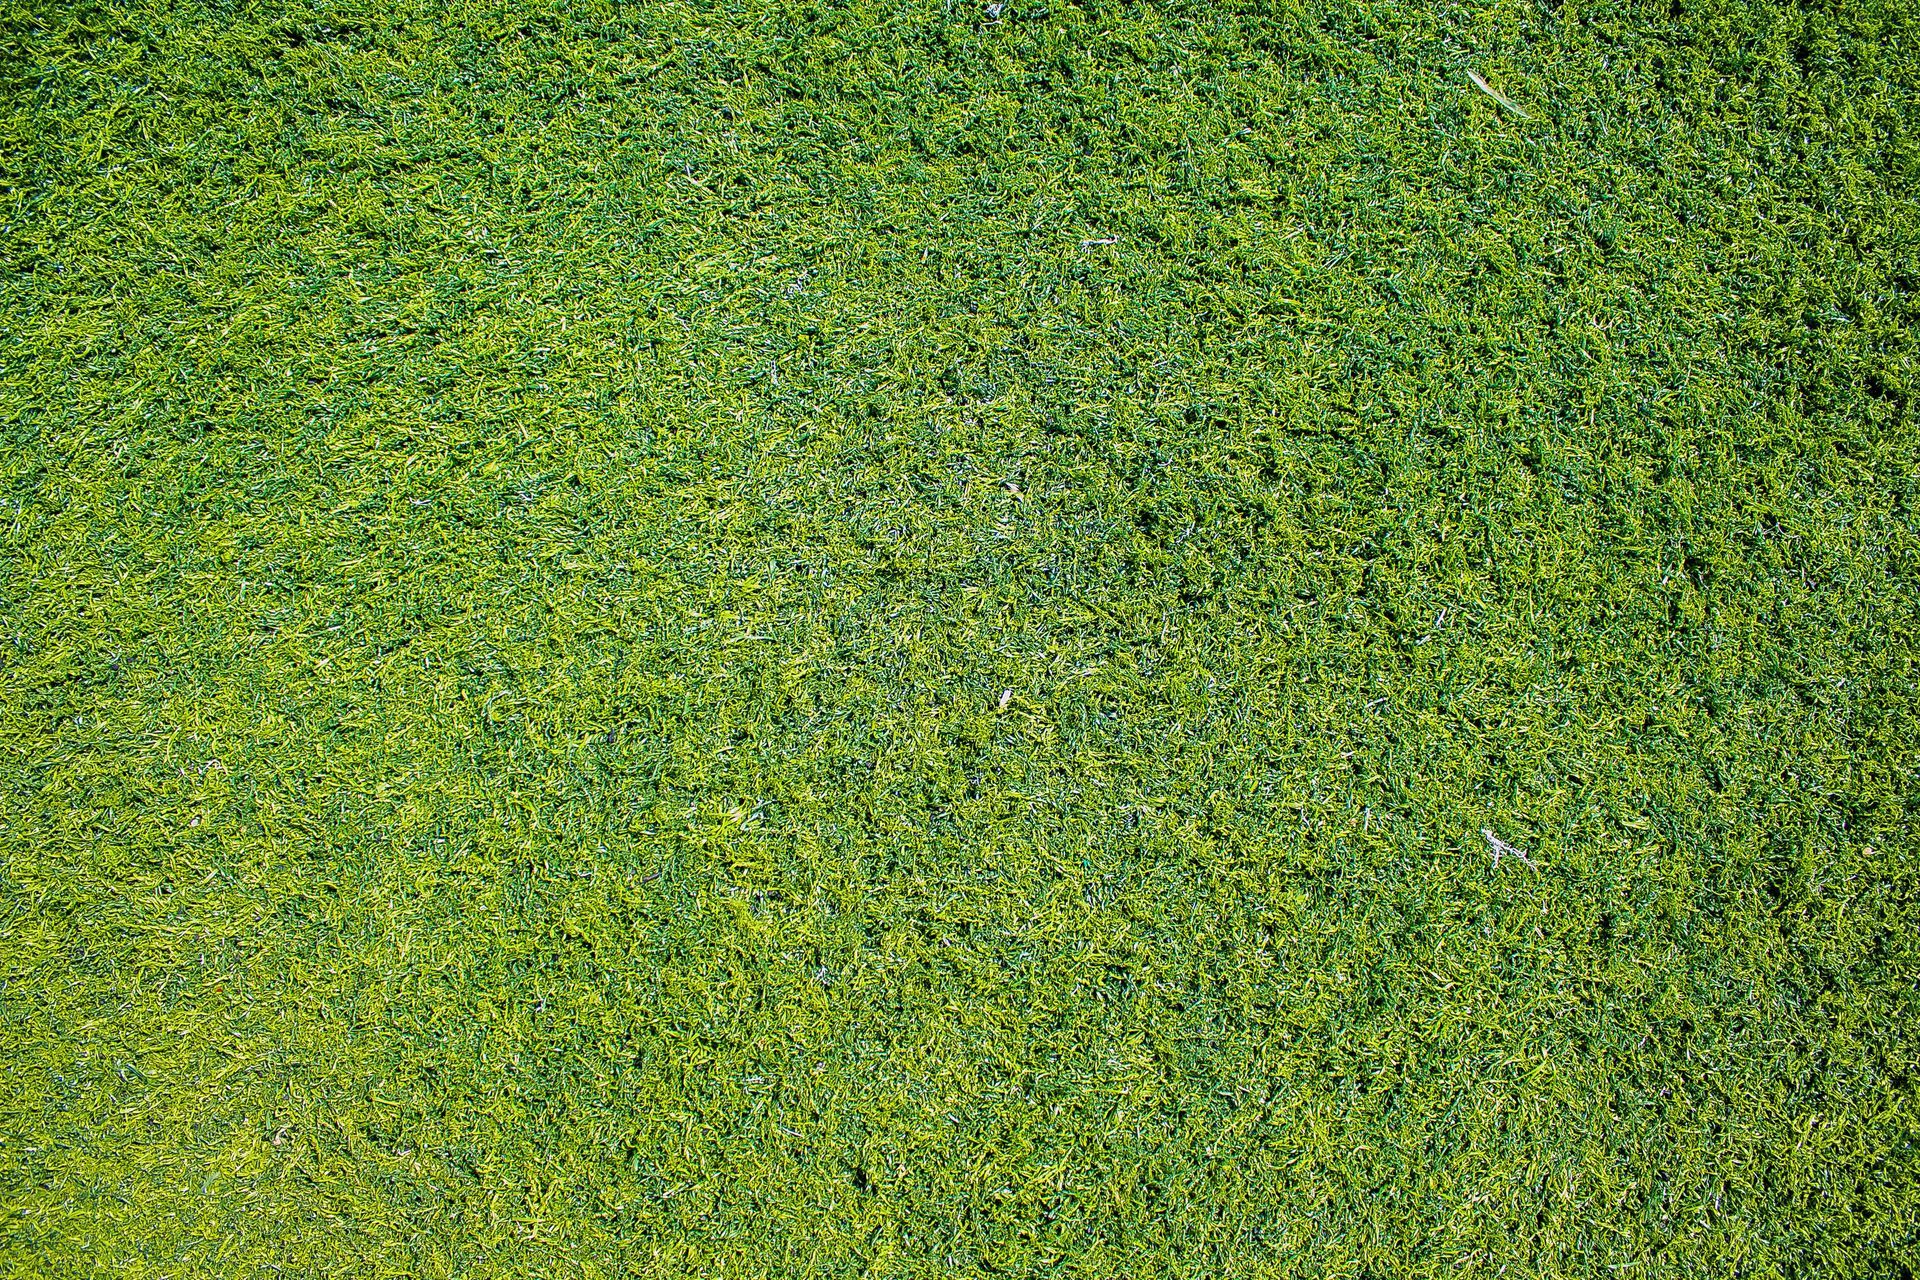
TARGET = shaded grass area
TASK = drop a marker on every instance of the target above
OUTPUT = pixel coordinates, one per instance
(815, 639)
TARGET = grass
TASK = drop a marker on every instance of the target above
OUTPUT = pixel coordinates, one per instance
(779, 639)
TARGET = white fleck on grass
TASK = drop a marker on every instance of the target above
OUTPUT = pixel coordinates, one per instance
(1502, 847)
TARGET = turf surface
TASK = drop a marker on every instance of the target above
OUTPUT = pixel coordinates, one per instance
(834, 639)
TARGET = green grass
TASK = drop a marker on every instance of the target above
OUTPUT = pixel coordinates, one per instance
(812, 639)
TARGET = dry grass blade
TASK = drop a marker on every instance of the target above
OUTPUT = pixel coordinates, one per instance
(1496, 95)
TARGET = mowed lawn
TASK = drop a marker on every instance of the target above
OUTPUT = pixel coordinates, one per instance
(1048, 639)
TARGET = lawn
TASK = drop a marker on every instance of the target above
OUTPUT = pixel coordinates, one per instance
(1047, 639)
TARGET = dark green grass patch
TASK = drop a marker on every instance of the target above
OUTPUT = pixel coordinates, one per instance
(833, 639)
